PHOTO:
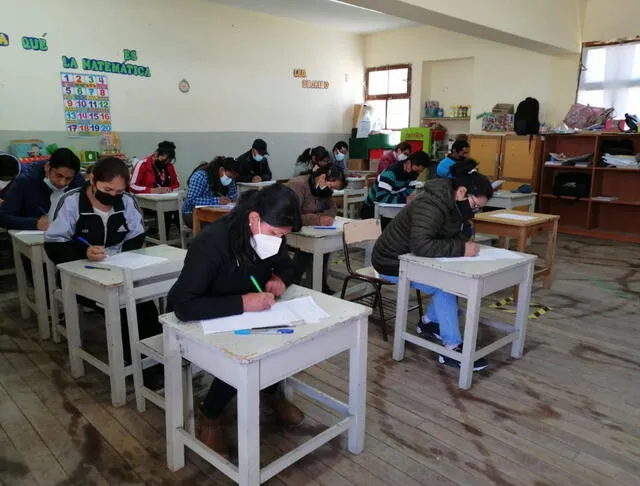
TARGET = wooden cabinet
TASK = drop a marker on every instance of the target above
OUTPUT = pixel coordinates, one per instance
(512, 158)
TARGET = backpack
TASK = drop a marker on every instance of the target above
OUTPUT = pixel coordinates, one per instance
(526, 121)
(572, 184)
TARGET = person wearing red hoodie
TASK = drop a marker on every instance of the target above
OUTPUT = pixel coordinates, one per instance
(399, 154)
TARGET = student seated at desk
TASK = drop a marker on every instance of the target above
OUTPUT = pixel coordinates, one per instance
(436, 224)
(396, 184)
(211, 184)
(10, 168)
(254, 166)
(216, 282)
(156, 173)
(33, 193)
(310, 160)
(459, 152)
(108, 218)
(339, 153)
(315, 193)
(400, 153)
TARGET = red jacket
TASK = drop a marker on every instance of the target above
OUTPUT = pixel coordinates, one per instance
(145, 177)
(387, 160)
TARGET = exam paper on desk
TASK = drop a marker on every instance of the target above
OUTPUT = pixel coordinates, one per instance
(29, 232)
(485, 255)
(300, 310)
(516, 217)
(132, 260)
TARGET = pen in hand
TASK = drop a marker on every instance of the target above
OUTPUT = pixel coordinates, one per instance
(255, 283)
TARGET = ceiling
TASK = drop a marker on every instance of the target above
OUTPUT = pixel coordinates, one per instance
(327, 13)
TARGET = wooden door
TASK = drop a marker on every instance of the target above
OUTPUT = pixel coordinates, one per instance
(520, 159)
(486, 149)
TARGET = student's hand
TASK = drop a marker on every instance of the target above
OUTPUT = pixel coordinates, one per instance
(256, 302)
(96, 253)
(326, 220)
(225, 200)
(256, 179)
(276, 286)
(43, 223)
(471, 249)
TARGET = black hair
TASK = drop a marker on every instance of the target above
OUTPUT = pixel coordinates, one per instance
(108, 168)
(89, 169)
(200, 166)
(9, 167)
(465, 174)
(403, 146)
(459, 145)
(63, 157)
(420, 158)
(332, 172)
(341, 145)
(276, 204)
(212, 170)
(319, 153)
(167, 148)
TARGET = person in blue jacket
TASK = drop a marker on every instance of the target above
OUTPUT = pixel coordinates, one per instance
(459, 151)
(31, 195)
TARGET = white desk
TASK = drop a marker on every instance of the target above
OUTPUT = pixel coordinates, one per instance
(247, 186)
(161, 204)
(472, 280)
(252, 363)
(511, 200)
(32, 247)
(104, 287)
(387, 210)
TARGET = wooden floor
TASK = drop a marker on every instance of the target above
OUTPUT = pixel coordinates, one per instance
(567, 413)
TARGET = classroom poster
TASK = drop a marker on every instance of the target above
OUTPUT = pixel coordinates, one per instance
(86, 104)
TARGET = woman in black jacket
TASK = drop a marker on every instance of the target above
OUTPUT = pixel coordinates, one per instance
(216, 282)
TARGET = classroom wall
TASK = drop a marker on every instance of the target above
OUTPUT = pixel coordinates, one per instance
(239, 64)
(609, 20)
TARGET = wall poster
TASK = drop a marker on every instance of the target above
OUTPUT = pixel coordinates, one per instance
(86, 104)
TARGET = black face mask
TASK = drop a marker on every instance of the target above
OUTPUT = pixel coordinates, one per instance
(413, 174)
(106, 198)
(464, 207)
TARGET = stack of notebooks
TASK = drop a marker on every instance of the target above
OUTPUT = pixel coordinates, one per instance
(621, 161)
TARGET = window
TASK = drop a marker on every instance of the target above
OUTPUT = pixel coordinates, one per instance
(389, 92)
(610, 77)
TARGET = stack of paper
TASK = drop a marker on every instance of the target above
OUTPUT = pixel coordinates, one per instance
(132, 260)
(622, 161)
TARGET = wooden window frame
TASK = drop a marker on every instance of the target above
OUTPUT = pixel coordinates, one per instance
(394, 96)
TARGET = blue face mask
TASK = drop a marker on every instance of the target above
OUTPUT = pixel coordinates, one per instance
(258, 157)
(339, 156)
(225, 180)
(49, 184)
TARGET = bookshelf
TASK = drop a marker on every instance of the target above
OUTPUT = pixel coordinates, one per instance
(617, 219)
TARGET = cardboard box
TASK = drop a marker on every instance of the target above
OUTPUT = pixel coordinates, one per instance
(373, 164)
(357, 112)
(358, 164)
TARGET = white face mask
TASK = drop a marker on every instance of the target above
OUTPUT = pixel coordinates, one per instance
(4, 184)
(402, 157)
(265, 246)
(225, 180)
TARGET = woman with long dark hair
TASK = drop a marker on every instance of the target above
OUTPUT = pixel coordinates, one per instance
(216, 282)
(310, 160)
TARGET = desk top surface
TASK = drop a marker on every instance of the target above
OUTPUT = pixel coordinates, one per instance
(169, 196)
(28, 237)
(114, 277)
(514, 218)
(512, 195)
(214, 209)
(247, 349)
(313, 232)
(470, 269)
(256, 184)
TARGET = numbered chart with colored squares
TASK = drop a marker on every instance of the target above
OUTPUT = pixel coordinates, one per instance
(86, 104)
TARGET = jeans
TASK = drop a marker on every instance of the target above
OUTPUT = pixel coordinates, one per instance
(443, 310)
(303, 264)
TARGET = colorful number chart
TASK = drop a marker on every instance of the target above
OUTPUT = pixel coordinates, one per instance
(86, 104)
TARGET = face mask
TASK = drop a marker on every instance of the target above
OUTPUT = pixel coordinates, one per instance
(339, 156)
(258, 157)
(265, 246)
(225, 180)
(49, 184)
(4, 184)
(465, 209)
(401, 157)
(106, 198)
(413, 174)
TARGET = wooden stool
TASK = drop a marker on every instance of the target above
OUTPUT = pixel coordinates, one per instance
(507, 223)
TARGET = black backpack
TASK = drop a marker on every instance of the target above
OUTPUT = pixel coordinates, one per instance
(526, 121)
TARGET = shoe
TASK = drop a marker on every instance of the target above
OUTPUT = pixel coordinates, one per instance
(153, 377)
(428, 330)
(479, 364)
(286, 412)
(211, 433)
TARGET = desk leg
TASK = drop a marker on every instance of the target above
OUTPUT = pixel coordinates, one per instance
(72, 322)
(522, 312)
(402, 307)
(472, 319)
(40, 292)
(550, 254)
(358, 388)
(162, 227)
(114, 347)
(173, 400)
(249, 425)
(318, 267)
(21, 277)
(196, 222)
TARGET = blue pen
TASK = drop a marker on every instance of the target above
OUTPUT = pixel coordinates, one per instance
(83, 240)
(325, 227)
(246, 332)
(43, 211)
(91, 267)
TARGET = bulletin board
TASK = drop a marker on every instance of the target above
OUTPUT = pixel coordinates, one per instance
(86, 104)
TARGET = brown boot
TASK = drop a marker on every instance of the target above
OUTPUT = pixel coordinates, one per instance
(286, 412)
(210, 432)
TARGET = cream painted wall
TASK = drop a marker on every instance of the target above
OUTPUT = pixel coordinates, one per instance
(611, 19)
(239, 64)
(449, 82)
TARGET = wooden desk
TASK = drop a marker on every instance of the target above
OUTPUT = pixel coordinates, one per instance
(247, 186)
(207, 214)
(161, 204)
(105, 288)
(522, 230)
(473, 281)
(31, 245)
(252, 363)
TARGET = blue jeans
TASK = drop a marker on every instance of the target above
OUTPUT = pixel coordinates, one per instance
(443, 310)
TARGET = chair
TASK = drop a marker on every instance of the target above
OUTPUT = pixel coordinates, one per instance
(185, 231)
(361, 233)
(351, 199)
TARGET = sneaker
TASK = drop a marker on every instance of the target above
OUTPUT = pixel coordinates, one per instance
(428, 330)
(211, 432)
(286, 412)
(480, 364)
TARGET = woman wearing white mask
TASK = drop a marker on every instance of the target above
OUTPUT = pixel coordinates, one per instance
(400, 153)
(216, 282)
(339, 152)
(211, 184)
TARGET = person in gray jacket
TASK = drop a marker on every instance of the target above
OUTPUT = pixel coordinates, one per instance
(436, 224)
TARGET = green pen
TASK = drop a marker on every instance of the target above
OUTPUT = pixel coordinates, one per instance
(255, 283)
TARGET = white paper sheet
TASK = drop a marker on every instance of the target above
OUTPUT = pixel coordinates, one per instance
(496, 184)
(516, 217)
(132, 260)
(485, 255)
(299, 311)
(29, 232)
(391, 205)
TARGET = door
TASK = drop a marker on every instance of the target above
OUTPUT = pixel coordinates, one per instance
(485, 149)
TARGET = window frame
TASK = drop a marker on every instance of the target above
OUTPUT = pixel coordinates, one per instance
(387, 97)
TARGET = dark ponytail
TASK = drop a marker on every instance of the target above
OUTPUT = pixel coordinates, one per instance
(465, 174)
